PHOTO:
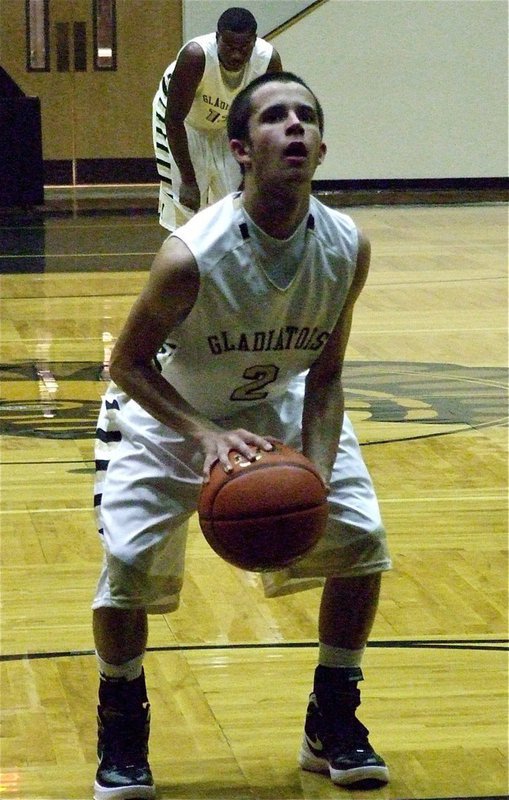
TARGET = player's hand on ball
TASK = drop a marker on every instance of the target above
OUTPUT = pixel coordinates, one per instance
(217, 446)
(266, 513)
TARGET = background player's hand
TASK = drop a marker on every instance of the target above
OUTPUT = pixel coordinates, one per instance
(189, 195)
(217, 444)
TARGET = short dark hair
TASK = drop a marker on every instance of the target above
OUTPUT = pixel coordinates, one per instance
(237, 20)
(240, 109)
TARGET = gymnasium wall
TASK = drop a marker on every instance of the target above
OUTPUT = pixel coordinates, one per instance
(410, 88)
(200, 16)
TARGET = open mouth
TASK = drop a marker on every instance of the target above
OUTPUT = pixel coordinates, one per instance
(296, 150)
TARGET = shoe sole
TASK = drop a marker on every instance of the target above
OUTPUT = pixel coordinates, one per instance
(124, 792)
(371, 775)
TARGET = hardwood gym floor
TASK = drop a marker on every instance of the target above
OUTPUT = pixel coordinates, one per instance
(229, 672)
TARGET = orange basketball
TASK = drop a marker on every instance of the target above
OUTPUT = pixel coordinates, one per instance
(264, 514)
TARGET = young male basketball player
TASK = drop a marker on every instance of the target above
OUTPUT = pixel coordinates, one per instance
(271, 265)
(189, 111)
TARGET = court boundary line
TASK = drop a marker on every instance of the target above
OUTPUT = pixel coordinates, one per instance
(496, 645)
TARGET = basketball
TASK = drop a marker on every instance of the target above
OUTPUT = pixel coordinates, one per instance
(264, 514)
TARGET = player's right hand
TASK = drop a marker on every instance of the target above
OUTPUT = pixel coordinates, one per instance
(216, 445)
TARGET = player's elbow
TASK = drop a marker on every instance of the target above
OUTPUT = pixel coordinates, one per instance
(121, 368)
(324, 376)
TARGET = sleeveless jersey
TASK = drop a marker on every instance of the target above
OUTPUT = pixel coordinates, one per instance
(213, 98)
(246, 338)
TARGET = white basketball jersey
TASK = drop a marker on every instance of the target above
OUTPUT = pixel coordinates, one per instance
(213, 96)
(246, 338)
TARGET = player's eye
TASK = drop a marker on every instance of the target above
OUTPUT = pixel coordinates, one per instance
(307, 114)
(274, 114)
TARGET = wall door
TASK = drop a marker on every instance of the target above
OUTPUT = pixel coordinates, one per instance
(96, 94)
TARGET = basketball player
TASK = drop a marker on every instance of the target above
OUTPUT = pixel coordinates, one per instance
(239, 337)
(189, 113)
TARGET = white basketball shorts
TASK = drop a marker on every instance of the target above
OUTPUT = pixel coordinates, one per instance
(217, 174)
(148, 481)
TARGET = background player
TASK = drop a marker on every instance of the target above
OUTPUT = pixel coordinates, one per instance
(190, 108)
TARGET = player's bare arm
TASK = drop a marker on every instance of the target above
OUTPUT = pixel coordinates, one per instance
(323, 412)
(275, 64)
(182, 88)
(166, 300)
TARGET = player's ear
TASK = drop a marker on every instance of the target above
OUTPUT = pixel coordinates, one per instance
(322, 152)
(241, 151)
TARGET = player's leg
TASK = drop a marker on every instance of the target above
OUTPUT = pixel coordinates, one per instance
(144, 543)
(335, 741)
(123, 712)
(350, 557)
(120, 636)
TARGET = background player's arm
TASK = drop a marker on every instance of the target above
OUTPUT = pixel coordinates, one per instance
(275, 64)
(323, 412)
(166, 300)
(182, 88)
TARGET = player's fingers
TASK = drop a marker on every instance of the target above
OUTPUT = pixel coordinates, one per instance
(254, 440)
(224, 458)
(208, 463)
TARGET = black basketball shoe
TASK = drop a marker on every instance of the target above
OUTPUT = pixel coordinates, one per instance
(122, 748)
(335, 741)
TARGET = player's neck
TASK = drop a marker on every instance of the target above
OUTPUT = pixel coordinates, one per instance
(232, 79)
(277, 212)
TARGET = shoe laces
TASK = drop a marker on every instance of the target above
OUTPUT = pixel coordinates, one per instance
(340, 727)
(123, 737)
(347, 732)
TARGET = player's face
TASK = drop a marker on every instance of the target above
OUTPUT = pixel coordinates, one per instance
(234, 49)
(284, 134)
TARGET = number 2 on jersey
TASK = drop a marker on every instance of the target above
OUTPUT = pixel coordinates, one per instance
(258, 378)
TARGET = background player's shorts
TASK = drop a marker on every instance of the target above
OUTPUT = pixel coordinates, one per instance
(217, 174)
(150, 488)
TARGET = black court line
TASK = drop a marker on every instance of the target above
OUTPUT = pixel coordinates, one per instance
(438, 644)
(396, 440)
(77, 296)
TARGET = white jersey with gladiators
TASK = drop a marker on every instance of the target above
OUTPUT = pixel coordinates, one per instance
(246, 337)
(213, 96)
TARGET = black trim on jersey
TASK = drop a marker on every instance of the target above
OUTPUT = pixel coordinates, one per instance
(97, 500)
(244, 231)
(310, 226)
(101, 465)
(108, 436)
(112, 404)
(166, 84)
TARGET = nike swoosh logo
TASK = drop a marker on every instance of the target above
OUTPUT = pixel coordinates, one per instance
(315, 744)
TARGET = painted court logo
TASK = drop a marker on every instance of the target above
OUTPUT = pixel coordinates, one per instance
(405, 394)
